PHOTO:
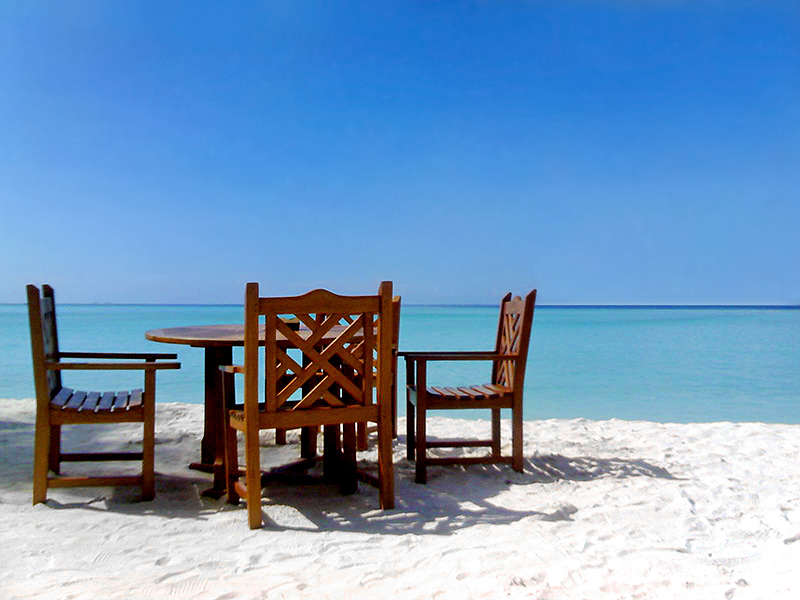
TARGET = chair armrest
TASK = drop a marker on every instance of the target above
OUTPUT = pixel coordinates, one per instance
(232, 369)
(147, 366)
(142, 355)
(465, 355)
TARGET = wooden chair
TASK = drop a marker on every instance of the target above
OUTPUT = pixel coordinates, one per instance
(57, 405)
(504, 391)
(333, 386)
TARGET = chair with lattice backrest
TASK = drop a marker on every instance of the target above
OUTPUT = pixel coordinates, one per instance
(331, 386)
(57, 405)
(503, 392)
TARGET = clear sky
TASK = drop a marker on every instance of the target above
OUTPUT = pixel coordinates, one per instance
(605, 152)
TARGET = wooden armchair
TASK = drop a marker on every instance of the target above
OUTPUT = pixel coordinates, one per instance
(333, 386)
(57, 405)
(505, 391)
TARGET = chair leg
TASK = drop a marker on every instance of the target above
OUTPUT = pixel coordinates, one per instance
(421, 442)
(148, 441)
(496, 432)
(361, 436)
(385, 458)
(349, 477)
(516, 439)
(331, 456)
(280, 437)
(410, 441)
(41, 453)
(253, 481)
(253, 475)
(231, 462)
(308, 442)
(54, 458)
(394, 400)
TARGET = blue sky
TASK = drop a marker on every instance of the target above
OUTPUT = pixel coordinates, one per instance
(604, 152)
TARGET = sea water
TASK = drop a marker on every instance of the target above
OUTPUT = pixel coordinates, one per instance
(667, 364)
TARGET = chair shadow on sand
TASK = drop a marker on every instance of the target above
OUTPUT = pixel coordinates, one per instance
(455, 498)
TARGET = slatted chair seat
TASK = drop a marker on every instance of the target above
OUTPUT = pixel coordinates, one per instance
(57, 405)
(473, 392)
(504, 392)
(126, 404)
(472, 396)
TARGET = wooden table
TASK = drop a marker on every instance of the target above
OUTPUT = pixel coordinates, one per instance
(218, 342)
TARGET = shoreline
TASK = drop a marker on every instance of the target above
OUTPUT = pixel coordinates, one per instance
(604, 509)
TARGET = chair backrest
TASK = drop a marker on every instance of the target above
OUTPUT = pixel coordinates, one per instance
(513, 338)
(44, 340)
(338, 339)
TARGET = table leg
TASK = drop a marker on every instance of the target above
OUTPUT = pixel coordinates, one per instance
(215, 357)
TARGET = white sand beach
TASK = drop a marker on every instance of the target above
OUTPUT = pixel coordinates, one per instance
(604, 509)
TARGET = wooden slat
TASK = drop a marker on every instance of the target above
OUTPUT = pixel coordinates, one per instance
(68, 417)
(59, 482)
(96, 366)
(458, 443)
(120, 401)
(61, 397)
(143, 356)
(498, 390)
(135, 399)
(106, 400)
(99, 456)
(75, 401)
(486, 389)
(321, 416)
(469, 392)
(90, 403)
(469, 460)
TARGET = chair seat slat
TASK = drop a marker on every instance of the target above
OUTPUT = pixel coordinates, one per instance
(90, 404)
(61, 397)
(120, 401)
(498, 390)
(106, 400)
(136, 398)
(75, 401)
(488, 390)
(469, 392)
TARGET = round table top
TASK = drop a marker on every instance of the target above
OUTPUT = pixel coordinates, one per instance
(209, 336)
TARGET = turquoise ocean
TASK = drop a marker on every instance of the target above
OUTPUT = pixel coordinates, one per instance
(666, 364)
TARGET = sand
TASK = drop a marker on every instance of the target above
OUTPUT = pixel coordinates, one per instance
(604, 509)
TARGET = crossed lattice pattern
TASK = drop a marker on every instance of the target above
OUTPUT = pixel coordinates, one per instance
(510, 330)
(335, 374)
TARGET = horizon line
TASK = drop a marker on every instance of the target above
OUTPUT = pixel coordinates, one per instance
(446, 305)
